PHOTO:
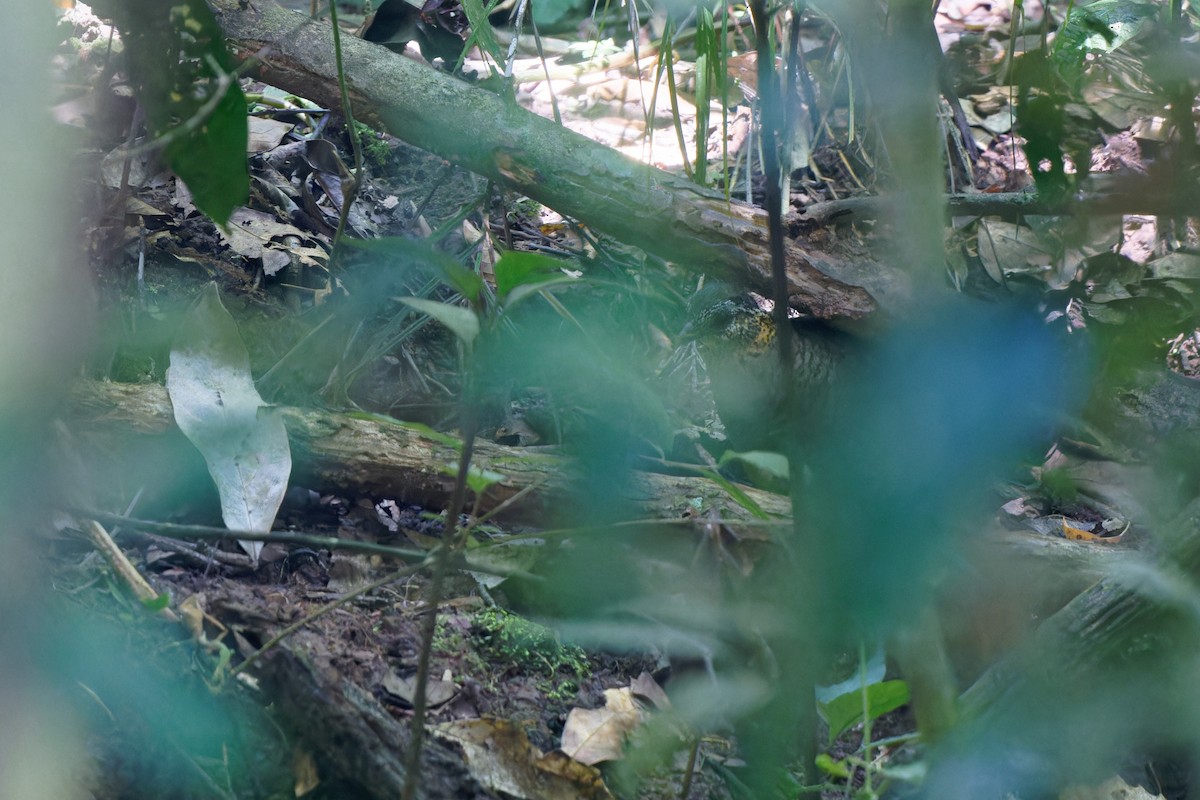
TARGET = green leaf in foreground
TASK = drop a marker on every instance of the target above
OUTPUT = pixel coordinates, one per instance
(551, 12)
(418, 428)
(837, 769)
(478, 478)
(847, 710)
(481, 31)
(740, 497)
(761, 468)
(157, 603)
(520, 268)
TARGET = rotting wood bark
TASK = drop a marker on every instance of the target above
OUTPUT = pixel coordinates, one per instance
(349, 731)
(664, 214)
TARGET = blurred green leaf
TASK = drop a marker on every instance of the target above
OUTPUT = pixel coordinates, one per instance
(969, 392)
(1099, 27)
(1059, 486)
(481, 31)
(549, 12)
(178, 63)
(530, 289)
(740, 497)
(456, 276)
(873, 671)
(829, 766)
(462, 322)
(847, 710)
(212, 161)
(157, 603)
(418, 427)
(760, 467)
(522, 268)
(712, 82)
(478, 478)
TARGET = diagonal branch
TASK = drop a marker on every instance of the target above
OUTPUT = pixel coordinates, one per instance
(661, 213)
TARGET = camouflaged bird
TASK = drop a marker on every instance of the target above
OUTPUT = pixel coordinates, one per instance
(736, 338)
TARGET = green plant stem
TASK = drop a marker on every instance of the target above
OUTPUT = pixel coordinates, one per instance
(920, 652)
(204, 532)
(455, 538)
(689, 771)
(771, 112)
(867, 719)
(673, 95)
(795, 725)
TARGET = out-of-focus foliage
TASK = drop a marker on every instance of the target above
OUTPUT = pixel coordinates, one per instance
(44, 317)
(553, 12)
(1096, 29)
(184, 78)
(1110, 59)
(920, 430)
(887, 486)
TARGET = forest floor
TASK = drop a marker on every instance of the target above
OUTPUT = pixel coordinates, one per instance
(324, 711)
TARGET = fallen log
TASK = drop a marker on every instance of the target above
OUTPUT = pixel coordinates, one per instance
(371, 455)
(132, 426)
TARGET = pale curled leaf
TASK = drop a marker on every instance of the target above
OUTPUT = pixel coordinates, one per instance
(437, 692)
(218, 409)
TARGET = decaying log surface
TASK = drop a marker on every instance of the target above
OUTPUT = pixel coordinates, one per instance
(664, 214)
(353, 736)
(372, 456)
(357, 743)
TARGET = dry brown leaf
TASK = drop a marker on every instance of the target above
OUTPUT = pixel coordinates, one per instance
(501, 757)
(598, 734)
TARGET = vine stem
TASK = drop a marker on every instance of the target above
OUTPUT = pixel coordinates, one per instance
(456, 536)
